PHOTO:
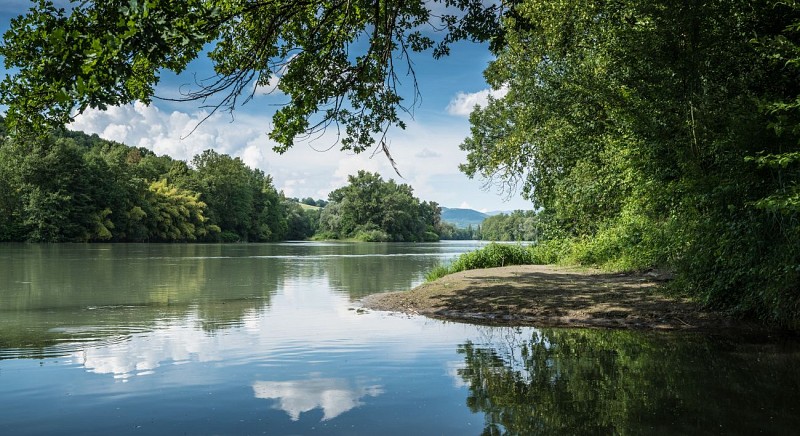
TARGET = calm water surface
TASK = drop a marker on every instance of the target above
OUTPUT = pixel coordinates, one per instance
(265, 339)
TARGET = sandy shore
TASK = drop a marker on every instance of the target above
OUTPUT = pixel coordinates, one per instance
(544, 295)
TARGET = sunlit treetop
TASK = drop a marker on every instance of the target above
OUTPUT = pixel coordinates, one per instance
(339, 62)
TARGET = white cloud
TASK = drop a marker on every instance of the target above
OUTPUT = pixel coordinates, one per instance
(173, 341)
(427, 153)
(270, 88)
(177, 134)
(463, 103)
(252, 156)
(454, 369)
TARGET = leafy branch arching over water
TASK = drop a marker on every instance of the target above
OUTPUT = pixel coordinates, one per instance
(340, 63)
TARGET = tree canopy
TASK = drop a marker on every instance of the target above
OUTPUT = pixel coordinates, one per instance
(516, 226)
(372, 209)
(339, 62)
(68, 186)
(654, 133)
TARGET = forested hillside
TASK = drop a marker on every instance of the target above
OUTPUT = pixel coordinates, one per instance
(71, 187)
(462, 218)
(68, 186)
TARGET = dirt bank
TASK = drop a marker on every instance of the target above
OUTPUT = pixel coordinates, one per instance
(543, 295)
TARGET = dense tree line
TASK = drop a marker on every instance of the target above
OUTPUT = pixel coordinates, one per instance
(450, 231)
(69, 186)
(371, 209)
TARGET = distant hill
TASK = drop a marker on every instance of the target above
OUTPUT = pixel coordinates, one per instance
(463, 218)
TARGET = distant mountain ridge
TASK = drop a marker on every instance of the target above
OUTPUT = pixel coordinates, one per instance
(463, 218)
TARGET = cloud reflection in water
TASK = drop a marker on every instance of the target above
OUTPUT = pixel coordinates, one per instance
(333, 395)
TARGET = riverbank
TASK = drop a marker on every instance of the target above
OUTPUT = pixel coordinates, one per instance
(549, 296)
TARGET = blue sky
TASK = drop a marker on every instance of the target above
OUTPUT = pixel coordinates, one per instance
(426, 152)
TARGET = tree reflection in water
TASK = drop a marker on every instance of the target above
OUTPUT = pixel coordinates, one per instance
(571, 381)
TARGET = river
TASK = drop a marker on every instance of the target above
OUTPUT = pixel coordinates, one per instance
(268, 339)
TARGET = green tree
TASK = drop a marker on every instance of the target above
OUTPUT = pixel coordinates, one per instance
(335, 60)
(370, 208)
(224, 187)
(656, 133)
(56, 186)
(270, 216)
(301, 223)
(240, 200)
(175, 214)
(11, 228)
(517, 226)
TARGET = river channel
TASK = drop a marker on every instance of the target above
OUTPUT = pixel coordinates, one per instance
(269, 339)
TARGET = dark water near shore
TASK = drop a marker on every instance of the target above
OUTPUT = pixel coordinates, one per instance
(266, 339)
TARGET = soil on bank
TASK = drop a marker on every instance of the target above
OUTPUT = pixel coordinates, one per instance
(549, 296)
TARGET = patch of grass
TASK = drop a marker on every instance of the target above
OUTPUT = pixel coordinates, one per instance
(437, 272)
(491, 256)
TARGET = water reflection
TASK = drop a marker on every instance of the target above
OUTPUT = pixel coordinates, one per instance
(619, 382)
(333, 395)
(166, 342)
(60, 294)
(246, 339)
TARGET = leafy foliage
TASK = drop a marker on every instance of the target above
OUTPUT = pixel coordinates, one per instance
(656, 133)
(371, 209)
(340, 62)
(452, 232)
(516, 226)
(241, 200)
(68, 186)
(176, 214)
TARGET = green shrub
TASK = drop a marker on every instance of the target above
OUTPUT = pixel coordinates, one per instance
(324, 236)
(491, 256)
(431, 237)
(549, 252)
(372, 236)
(229, 236)
(437, 272)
